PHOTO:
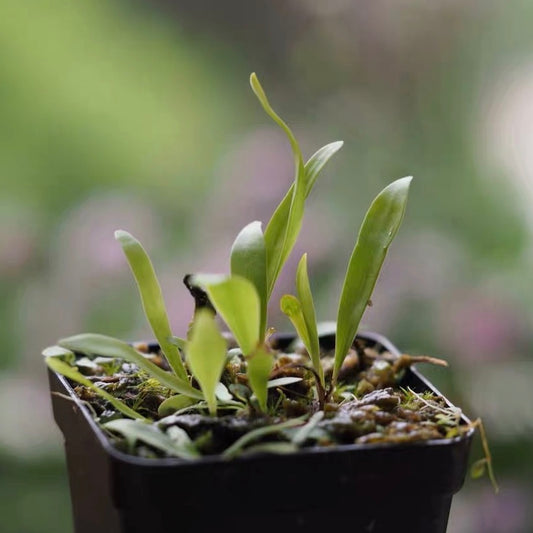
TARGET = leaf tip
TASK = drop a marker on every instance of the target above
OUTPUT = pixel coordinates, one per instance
(121, 234)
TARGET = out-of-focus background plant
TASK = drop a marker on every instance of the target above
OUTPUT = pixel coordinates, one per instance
(138, 115)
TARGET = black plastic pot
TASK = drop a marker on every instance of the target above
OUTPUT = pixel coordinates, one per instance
(359, 488)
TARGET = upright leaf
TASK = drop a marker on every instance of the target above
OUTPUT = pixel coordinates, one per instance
(259, 366)
(59, 366)
(206, 355)
(379, 228)
(236, 300)
(303, 290)
(152, 298)
(292, 307)
(280, 234)
(248, 259)
(94, 344)
(312, 169)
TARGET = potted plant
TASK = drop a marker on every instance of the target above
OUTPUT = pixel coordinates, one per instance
(252, 428)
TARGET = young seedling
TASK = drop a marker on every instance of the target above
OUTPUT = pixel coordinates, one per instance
(200, 374)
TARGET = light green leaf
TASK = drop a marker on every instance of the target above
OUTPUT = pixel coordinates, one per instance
(303, 290)
(62, 353)
(59, 366)
(206, 355)
(236, 300)
(175, 403)
(261, 96)
(277, 230)
(255, 434)
(292, 307)
(281, 233)
(317, 161)
(379, 228)
(94, 344)
(134, 430)
(152, 298)
(259, 366)
(248, 260)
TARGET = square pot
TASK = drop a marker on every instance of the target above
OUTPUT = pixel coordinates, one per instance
(361, 487)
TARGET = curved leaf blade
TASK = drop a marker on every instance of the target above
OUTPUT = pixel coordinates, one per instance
(292, 307)
(151, 297)
(379, 228)
(134, 430)
(236, 300)
(303, 290)
(206, 355)
(281, 241)
(255, 434)
(59, 366)
(174, 403)
(248, 259)
(94, 344)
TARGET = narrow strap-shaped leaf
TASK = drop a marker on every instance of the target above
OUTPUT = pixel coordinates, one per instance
(280, 233)
(259, 366)
(206, 355)
(303, 290)
(133, 431)
(59, 366)
(379, 228)
(152, 298)
(276, 230)
(317, 161)
(248, 259)
(236, 300)
(94, 344)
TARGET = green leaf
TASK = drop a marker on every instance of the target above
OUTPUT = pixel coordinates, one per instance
(303, 290)
(317, 161)
(62, 353)
(152, 298)
(256, 434)
(134, 430)
(59, 366)
(281, 233)
(175, 403)
(261, 96)
(277, 230)
(259, 366)
(236, 300)
(206, 355)
(248, 260)
(292, 307)
(93, 344)
(379, 228)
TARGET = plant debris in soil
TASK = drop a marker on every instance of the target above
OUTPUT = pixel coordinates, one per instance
(369, 406)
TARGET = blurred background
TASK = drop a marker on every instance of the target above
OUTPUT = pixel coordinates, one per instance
(138, 115)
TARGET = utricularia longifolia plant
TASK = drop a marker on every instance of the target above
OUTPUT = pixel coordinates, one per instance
(243, 376)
